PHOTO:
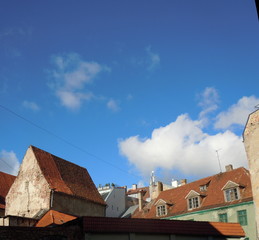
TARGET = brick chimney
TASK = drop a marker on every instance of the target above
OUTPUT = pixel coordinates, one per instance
(183, 182)
(229, 168)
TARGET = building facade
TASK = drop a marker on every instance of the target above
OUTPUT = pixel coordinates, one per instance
(46, 182)
(224, 197)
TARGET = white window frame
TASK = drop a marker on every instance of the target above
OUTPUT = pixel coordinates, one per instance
(193, 202)
(161, 210)
(232, 194)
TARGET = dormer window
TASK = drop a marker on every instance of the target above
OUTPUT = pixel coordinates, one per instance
(193, 200)
(161, 210)
(162, 207)
(231, 191)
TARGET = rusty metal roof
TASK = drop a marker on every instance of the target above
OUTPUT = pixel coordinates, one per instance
(6, 181)
(66, 177)
(155, 226)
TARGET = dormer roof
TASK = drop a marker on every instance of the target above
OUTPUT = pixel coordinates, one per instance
(214, 196)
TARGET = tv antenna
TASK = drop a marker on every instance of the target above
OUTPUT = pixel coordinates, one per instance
(217, 151)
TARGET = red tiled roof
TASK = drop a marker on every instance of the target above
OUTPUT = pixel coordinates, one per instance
(145, 190)
(6, 181)
(212, 197)
(67, 177)
(54, 217)
(154, 226)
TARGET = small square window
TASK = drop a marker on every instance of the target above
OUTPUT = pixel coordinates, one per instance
(223, 217)
(193, 203)
(231, 194)
(161, 210)
(242, 217)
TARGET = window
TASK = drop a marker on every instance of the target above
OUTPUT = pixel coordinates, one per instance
(161, 210)
(242, 217)
(193, 202)
(223, 217)
(231, 194)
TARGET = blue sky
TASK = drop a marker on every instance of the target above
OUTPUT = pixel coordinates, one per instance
(123, 88)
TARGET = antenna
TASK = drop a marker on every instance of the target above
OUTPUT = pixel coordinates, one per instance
(217, 151)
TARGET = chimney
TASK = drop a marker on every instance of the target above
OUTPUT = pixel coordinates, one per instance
(134, 186)
(140, 200)
(183, 182)
(229, 168)
(174, 183)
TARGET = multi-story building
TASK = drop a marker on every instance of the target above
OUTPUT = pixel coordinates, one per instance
(224, 197)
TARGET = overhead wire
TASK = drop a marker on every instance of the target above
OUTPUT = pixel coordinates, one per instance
(64, 140)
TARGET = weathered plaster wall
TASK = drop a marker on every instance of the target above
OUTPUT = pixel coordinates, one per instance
(30, 191)
(116, 202)
(251, 142)
(212, 215)
(76, 206)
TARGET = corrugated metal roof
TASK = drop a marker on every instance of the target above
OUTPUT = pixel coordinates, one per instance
(6, 181)
(67, 177)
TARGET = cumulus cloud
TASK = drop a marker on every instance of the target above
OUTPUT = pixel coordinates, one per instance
(71, 75)
(113, 105)
(237, 113)
(31, 105)
(185, 147)
(9, 162)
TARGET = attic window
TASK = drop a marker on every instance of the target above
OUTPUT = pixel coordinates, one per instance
(231, 191)
(161, 210)
(193, 203)
(231, 194)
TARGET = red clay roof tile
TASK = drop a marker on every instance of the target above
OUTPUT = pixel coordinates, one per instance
(212, 197)
(6, 181)
(54, 217)
(67, 177)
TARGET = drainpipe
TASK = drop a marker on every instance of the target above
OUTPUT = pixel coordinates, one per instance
(51, 197)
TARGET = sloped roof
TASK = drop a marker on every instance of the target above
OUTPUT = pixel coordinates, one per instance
(155, 226)
(144, 190)
(67, 177)
(211, 198)
(53, 217)
(6, 181)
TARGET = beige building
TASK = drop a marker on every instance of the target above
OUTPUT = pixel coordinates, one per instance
(46, 182)
(251, 142)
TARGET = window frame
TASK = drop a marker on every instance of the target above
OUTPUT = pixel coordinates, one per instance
(223, 217)
(161, 210)
(193, 202)
(232, 194)
(242, 217)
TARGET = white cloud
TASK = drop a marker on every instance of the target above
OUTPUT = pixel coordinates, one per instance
(153, 59)
(185, 147)
(71, 76)
(237, 113)
(9, 162)
(209, 101)
(113, 105)
(31, 105)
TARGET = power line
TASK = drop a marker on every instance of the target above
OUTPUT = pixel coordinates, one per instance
(63, 139)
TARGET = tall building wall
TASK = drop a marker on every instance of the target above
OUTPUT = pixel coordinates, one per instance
(251, 142)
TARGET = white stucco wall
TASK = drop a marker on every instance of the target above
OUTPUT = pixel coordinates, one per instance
(30, 191)
(116, 202)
